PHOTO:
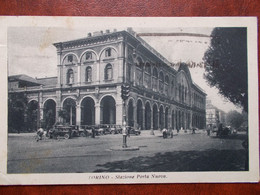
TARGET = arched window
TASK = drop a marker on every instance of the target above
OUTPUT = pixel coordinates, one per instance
(167, 79)
(139, 63)
(148, 68)
(70, 76)
(161, 77)
(108, 72)
(88, 74)
(155, 72)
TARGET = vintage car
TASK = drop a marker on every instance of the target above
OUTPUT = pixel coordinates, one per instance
(132, 130)
(64, 131)
(115, 129)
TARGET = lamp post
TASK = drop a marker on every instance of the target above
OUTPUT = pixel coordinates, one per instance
(124, 95)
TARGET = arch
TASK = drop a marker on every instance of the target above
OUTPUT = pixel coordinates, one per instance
(161, 76)
(130, 112)
(90, 51)
(69, 111)
(49, 113)
(155, 116)
(87, 111)
(69, 97)
(161, 121)
(108, 110)
(147, 115)
(32, 100)
(108, 73)
(139, 113)
(105, 48)
(139, 62)
(74, 60)
(155, 72)
(32, 115)
(167, 79)
(148, 67)
(49, 99)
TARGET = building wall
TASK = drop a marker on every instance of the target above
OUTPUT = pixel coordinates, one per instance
(159, 97)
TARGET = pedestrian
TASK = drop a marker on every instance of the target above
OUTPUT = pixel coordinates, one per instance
(220, 129)
(208, 130)
(193, 130)
(39, 133)
(93, 132)
(164, 131)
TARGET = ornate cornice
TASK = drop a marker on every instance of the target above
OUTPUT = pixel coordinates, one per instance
(103, 38)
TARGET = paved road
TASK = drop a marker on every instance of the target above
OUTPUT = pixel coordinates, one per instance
(183, 152)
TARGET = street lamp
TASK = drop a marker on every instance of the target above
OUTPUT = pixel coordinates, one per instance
(124, 94)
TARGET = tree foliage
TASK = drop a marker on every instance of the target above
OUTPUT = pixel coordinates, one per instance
(235, 119)
(226, 64)
(16, 112)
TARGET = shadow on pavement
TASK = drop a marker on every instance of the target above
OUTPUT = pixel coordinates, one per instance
(209, 160)
(233, 136)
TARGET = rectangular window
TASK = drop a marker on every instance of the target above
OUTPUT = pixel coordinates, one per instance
(70, 58)
(108, 52)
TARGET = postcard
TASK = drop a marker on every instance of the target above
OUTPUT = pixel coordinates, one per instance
(114, 100)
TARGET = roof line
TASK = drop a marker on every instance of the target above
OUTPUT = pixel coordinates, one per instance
(174, 34)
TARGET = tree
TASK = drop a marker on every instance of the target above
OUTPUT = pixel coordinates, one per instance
(226, 64)
(17, 112)
(234, 119)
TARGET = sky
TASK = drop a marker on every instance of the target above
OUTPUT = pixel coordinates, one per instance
(30, 52)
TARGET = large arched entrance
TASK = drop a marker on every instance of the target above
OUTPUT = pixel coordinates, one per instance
(32, 115)
(161, 118)
(69, 114)
(108, 110)
(147, 116)
(49, 114)
(166, 118)
(155, 117)
(130, 113)
(88, 111)
(140, 114)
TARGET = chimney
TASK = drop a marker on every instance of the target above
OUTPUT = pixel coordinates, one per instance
(107, 31)
(89, 34)
(101, 32)
(115, 30)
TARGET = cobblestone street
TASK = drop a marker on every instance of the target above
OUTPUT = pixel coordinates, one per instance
(183, 152)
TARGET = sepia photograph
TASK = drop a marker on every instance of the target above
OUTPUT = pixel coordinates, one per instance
(131, 100)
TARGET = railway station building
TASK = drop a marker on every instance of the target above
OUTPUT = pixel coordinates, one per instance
(90, 75)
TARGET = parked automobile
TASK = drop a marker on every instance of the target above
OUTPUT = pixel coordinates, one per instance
(132, 130)
(115, 129)
(60, 131)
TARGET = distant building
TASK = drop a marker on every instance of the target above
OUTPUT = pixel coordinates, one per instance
(214, 115)
(91, 72)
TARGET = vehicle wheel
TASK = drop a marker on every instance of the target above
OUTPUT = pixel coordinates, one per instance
(66, 136)
(82, 134)
(113, 132)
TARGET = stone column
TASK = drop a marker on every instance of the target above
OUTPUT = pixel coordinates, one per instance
(98, 114)
(79, 74)
(98, 71)
(143, 110)
(78, 115)
(119, 113)
(135, 116)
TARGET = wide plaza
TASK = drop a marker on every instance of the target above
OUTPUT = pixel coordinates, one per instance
(183, 152)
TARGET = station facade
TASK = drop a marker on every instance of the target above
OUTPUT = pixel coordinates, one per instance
(90, 73)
